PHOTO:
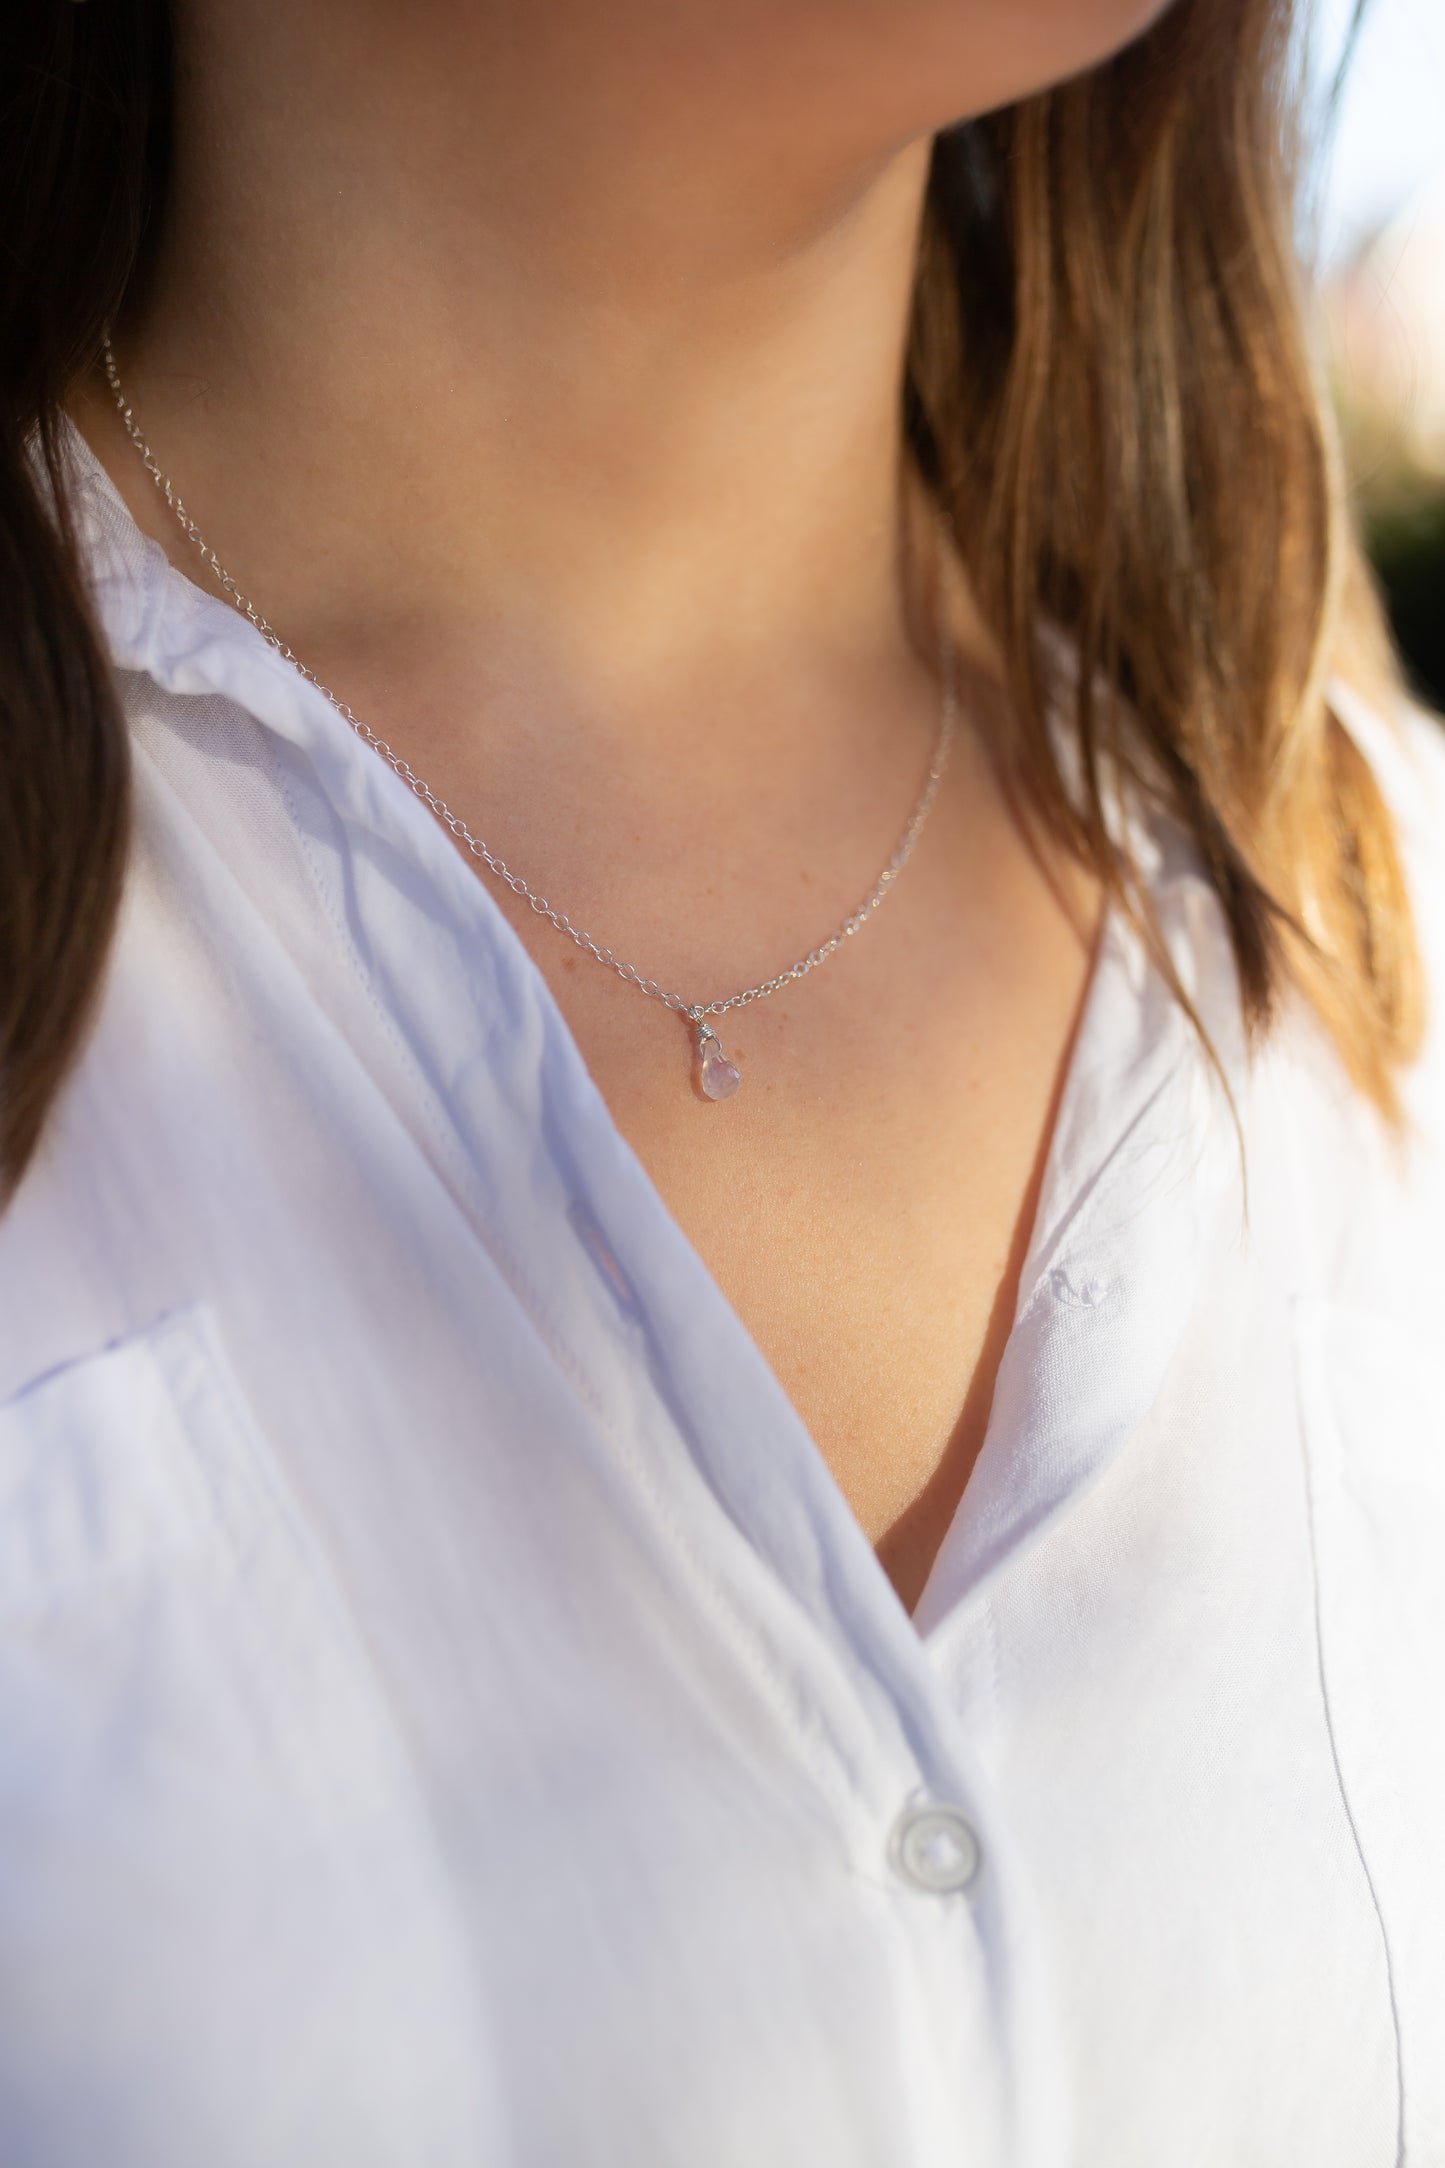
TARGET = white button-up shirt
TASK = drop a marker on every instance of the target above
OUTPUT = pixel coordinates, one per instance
(449, 1716)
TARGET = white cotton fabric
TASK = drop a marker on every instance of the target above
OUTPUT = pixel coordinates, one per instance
(449, 1717)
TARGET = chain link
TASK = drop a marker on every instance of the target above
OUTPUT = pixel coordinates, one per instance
(695, 1011)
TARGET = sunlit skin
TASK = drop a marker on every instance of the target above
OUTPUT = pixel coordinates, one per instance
(535, 368)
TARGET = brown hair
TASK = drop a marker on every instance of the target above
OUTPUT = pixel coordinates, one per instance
(1112, 390)
(83, 99)
(1109, 387)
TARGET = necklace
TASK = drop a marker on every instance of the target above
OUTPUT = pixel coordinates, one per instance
(716, 1076)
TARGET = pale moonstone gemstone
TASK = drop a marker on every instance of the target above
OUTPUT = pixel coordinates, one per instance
(719, 1078)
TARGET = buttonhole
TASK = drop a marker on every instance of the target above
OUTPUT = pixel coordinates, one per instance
(1083, 1292)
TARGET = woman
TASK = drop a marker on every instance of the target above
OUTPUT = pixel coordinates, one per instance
(631, 1534)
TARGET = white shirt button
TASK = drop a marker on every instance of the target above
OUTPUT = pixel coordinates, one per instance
(935, 1848)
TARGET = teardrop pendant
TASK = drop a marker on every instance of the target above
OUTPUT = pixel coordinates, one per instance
(716, 1076)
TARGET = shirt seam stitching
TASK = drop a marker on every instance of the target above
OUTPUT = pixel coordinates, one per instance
(1335, 1759)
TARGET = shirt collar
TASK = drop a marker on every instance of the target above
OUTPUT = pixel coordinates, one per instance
(1145, 1150)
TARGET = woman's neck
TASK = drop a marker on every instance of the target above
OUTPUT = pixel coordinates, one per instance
(471, 331)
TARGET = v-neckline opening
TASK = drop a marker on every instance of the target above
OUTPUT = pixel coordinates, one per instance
(386, 794)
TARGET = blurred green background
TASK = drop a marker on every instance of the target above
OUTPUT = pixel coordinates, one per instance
(1381, 244)
(1407, 547)
(1385, 330)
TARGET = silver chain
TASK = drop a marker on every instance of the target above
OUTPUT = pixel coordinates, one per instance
(695, 1011)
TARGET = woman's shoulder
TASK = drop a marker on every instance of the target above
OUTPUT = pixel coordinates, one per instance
(1362, 1199)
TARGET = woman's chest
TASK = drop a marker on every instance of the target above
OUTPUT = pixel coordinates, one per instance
(451, 1710)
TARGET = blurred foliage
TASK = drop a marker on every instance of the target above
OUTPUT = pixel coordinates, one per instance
(1405, 536)
(1383, 321)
